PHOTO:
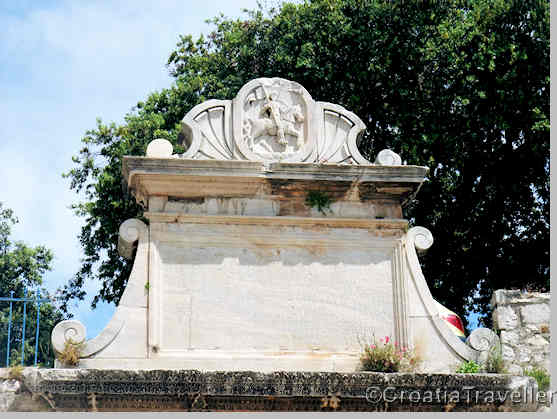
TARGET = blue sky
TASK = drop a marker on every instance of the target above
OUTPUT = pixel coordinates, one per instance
(63, 63)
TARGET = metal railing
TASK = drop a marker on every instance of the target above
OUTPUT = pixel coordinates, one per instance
(25, 299)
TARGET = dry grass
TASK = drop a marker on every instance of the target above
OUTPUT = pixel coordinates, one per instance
(71, 353)
(16, 373)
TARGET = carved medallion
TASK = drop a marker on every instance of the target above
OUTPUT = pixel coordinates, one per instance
(274, 118)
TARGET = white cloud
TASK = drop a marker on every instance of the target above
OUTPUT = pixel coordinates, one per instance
(61, 66)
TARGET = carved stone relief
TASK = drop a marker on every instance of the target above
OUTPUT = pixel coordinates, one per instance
(273, 119)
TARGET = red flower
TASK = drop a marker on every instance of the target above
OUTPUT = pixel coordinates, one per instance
(386, 339)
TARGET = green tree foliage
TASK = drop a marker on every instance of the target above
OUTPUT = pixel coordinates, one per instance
(23, 266)
(459, 86)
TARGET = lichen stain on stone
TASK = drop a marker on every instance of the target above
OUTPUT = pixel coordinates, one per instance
(293, 207)
(353, 192)
(367, 191)
(394, 190)
(315, 249)
(264, 250)
(192, 200)
(318, 228)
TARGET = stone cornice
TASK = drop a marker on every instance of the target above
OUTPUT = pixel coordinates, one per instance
(183, 178)
(136, 165)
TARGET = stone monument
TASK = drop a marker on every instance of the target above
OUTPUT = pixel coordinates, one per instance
(272, 245)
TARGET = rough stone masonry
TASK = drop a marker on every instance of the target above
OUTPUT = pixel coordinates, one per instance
(523, 319)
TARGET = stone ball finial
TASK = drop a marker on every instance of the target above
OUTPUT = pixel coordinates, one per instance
(67, 331)
(388, 158)
(159, 148)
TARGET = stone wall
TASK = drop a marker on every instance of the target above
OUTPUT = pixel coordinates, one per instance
(523, 319)
(15, 396)
(83, 390)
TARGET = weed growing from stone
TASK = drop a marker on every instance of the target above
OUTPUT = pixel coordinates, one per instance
(319, 200)
(541, 375)
(388, 356)
(16, 373)
(495, 363)
(71, 353)
(470, 367)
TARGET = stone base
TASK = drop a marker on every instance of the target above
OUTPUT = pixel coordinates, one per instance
(191, 390)
(209, 361)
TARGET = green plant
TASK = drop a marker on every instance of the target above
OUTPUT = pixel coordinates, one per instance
(386, 356)
(495, 363)
(147, 286)
(541, 375)
(16, 372)
(470, 367)
(71, 353)
(320, 200)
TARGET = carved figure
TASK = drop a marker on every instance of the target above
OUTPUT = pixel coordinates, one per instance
(275, 119)
(272, 109)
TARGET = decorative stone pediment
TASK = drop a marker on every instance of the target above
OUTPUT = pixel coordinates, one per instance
(273, 119)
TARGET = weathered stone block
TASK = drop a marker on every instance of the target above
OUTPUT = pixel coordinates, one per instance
(501, 297)
(509, 337)
(536, 313)
(515, 369)
(537, 340)
(507, 352)
(506, 297)
(9, 386)
(524, 354)
(8, 393)
(539, 358)
(505, 318)
(6, 401)
(529, 329)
